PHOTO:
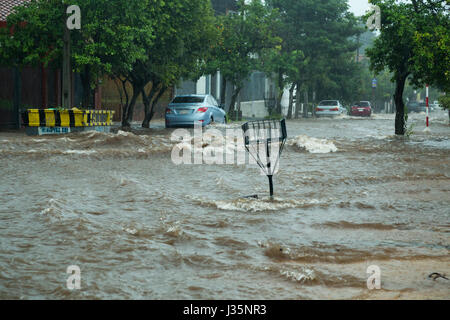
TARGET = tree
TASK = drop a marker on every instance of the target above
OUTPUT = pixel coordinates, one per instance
(399, 47)
(324, 32)
(243, 37)
(432, 44)
(183, 43)
(444, 101)
(113, 36)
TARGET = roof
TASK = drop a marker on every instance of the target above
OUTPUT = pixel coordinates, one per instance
(6, 7)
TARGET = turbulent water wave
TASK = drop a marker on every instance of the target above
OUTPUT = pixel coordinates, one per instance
(92, 145)
(257, 205)
(297, 274)
(312, 145)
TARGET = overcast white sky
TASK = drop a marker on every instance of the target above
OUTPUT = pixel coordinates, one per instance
(358, 7)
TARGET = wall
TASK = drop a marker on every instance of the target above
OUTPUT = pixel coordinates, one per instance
(111, 100)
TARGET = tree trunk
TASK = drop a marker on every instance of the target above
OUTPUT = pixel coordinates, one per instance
(149, 115)
(280, 91)
(233, 101)
(400, 123)
(291, 101)
(297, 100)
(306, 107)
(147, 99)
(125, 106)
(129, 109)
(223, 91)
(313, 110)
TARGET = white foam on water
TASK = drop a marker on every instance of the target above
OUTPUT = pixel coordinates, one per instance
(131, 231)
(305, 274)
(124, 133)
(256, 205)
(313, 145)
(79, 151)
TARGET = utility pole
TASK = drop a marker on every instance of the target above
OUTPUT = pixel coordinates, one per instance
(73, 22)
(374, 86)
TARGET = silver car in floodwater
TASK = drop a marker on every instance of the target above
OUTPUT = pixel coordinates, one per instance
(329, 108)
(185, 110)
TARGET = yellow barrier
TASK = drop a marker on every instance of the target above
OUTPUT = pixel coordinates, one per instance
(98, 117)
(67, 118)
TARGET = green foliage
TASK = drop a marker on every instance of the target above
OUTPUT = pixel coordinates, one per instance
(136, 41)
(317, 52)
(410, 130)
(431, 51)
(112, 38)
(243, 38)
(414, 45)
(414, 41)
(444, 102)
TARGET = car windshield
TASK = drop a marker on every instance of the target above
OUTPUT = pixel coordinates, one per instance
(364, 104)
(328, 103)
(188, 99)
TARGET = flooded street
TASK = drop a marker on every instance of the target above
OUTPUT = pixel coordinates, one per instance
(349, 194)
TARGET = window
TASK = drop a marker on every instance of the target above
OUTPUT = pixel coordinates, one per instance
(188, 99)
(328, 103)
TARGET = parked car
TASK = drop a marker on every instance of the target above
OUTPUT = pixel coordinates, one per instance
(436, 104)
(361, 108)
(185, 110)
(415, 106)
(329, 108)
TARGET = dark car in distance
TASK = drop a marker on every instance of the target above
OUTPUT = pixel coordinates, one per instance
(415, 106)
(361, 108)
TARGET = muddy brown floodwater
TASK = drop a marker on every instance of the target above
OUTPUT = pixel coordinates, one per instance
(348, 195)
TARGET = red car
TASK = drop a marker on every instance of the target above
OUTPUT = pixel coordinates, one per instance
(361, 108)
